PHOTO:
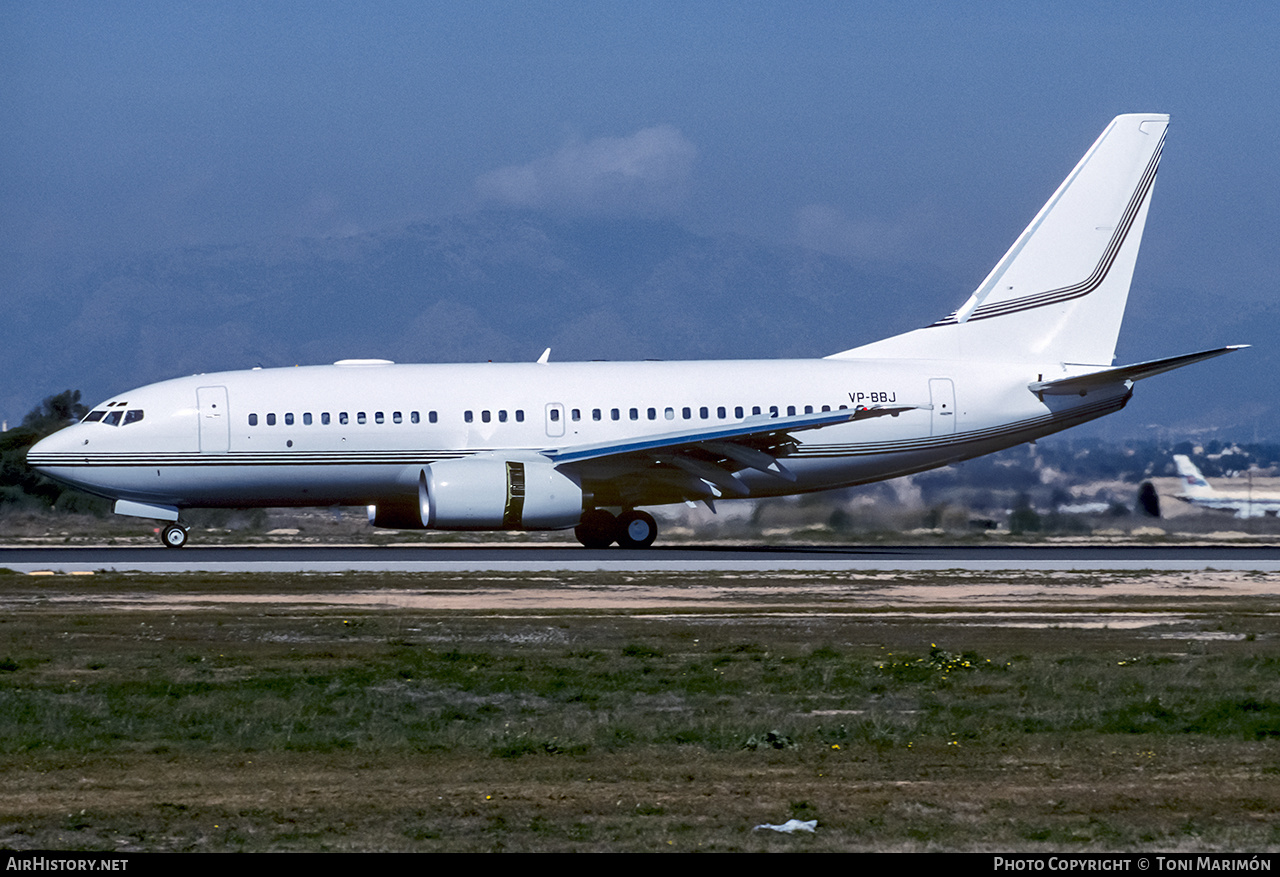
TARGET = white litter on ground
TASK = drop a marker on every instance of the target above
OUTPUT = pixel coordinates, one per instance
(790, 825)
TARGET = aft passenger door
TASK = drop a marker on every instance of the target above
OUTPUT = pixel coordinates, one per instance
(942, 395)
(215, 427)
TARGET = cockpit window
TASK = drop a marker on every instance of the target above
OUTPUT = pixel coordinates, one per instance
(118, 417)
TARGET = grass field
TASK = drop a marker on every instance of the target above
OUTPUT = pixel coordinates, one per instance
(138, 714)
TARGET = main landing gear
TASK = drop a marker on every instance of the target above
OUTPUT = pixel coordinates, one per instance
(631, 529)
(174, 535)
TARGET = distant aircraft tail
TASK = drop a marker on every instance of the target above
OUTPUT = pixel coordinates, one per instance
(1059, 294)
(1193, 483)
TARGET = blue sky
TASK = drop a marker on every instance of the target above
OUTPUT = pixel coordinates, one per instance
(910, 132)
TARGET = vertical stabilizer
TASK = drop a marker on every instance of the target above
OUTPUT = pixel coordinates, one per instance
(1193, 483)
(1059, 294)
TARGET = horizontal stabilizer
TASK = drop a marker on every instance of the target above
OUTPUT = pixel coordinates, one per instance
(1080, 385)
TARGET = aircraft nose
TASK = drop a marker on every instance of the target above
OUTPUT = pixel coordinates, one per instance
(44, 454)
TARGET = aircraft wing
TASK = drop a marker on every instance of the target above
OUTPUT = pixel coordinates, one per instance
(703, 462)
(1080, 385)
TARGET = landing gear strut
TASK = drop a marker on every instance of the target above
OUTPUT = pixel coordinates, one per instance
(174, 536)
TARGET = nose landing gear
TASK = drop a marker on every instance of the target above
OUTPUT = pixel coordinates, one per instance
(174, 535)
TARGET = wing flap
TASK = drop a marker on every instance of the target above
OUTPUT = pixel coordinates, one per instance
(750, 434)
(703, 464)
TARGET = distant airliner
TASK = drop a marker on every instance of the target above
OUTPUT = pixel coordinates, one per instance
(548, 445)
(1197, 492)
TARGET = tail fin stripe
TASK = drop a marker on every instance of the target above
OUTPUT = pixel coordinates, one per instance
(1099, 273)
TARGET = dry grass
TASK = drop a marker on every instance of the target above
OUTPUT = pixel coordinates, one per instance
(307, 725)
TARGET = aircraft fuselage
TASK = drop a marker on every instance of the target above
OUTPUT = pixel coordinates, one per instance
(356, 435)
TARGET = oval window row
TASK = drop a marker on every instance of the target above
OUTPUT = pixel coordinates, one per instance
(575, 414)
(325, 419)
(704, 413)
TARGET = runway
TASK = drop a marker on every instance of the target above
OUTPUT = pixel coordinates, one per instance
(472, 557)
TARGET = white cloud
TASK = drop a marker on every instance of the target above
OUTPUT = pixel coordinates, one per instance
(647, 172)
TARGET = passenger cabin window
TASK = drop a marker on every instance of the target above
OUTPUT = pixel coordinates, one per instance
(377, 417)
(342, 418)
(396, 417)
(737, 412)
(595, 413)
(288, 419)
(253, 420)
(360, 417)
(306, 418)
(431, 416)
(467, 416)
(271, 420)
(520, 415)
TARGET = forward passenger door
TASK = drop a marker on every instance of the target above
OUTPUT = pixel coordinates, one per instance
(215, 427)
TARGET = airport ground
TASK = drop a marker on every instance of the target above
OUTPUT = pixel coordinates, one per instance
(628, 711)
(871, 516)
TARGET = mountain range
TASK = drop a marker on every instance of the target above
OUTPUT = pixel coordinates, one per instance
(505, 285)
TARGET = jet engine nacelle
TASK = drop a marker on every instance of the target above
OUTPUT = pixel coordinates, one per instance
(485, 493)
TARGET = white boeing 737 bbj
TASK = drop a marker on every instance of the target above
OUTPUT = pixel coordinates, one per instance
(531, 446)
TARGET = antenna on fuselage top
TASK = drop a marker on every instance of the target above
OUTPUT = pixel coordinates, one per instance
(546, 356)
